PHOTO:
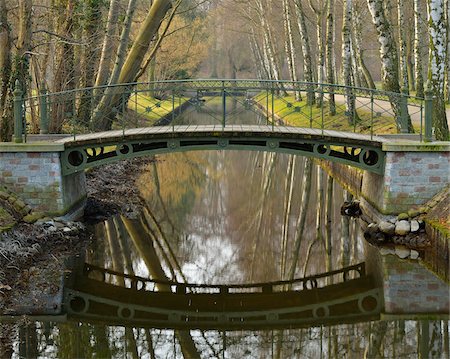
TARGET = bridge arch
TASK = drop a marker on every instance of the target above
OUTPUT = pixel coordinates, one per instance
(93, 150)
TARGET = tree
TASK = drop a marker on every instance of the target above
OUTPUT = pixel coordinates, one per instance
(102, 118)
(417, 49)
(306, 49)
(436, 67)
(388, 55)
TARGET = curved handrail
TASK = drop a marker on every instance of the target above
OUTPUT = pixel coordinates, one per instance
(308, 282)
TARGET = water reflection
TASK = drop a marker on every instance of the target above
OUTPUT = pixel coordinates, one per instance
(228, 218)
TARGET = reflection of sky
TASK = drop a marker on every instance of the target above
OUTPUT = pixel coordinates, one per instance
(214, 260)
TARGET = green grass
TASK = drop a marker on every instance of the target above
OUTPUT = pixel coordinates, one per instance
(300, 114)
(152, 109)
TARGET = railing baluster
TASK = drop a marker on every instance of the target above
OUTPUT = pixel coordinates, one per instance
(43, 123)
(18, 113)
(371, 114)
(321, 108)
(428, 113)
(224, 105)
(273, 107)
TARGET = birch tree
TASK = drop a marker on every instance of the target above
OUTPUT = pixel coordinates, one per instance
(388, 54)
(289, 46)
(402, 40)
(357, 46)
(306, 50)
(417, 48)
(319, 11)
(347, 62)
(330, 55)
(437, 63)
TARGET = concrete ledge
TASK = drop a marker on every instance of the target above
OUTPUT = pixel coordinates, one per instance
(416, 146)
(31, 147)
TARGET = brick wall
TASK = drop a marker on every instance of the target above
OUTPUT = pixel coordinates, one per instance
(408, 286)
(410, 180)
(36, 178)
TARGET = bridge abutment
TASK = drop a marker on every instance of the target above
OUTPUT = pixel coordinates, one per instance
(413, 174)
(34, 173)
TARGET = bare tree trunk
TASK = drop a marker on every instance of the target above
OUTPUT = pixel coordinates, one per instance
(269, 42)
(401, 36)
(90, 58)
(306, 49)
(103, 117)
(417, 49)
(64, 77)
(101, 114)
(357, 29)
(388, 54)
(108, 44)
(319, 11)
(6, 126)
(331, 79)
(347, 62)
(289, 46)
(436, 73)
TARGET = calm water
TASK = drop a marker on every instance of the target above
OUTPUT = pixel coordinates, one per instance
(223, 218)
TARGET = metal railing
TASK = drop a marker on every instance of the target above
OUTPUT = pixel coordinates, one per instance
(302, 104)
(147, 284)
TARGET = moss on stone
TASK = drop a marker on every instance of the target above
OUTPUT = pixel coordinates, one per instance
(33, 217)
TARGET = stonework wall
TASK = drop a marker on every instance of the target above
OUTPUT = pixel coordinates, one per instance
(410, 180)
(36, 178)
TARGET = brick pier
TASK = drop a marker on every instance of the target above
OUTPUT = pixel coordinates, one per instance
(36, 177)
(413, 174)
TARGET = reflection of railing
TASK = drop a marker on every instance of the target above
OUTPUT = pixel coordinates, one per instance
(89, 109)
(306, 283)
(140, 302)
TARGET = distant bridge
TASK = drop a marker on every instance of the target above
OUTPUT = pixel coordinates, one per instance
(143, 302)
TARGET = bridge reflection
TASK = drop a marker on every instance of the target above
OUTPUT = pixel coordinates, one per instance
(95, 296)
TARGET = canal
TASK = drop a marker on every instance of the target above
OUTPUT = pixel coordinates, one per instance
(225, 218)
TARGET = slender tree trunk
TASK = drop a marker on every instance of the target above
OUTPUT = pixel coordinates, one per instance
(357, 29)
(331, 79)
(108, 98)
(347, 62)
(306, 49)
(289, 46)
(417, 49)
(64, 78)
(90, 58)
(108, 44)
(436, 72)
(402, 40)
(388, 55)
(6, 126)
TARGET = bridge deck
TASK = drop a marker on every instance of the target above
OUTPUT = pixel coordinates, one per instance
(219, 131)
